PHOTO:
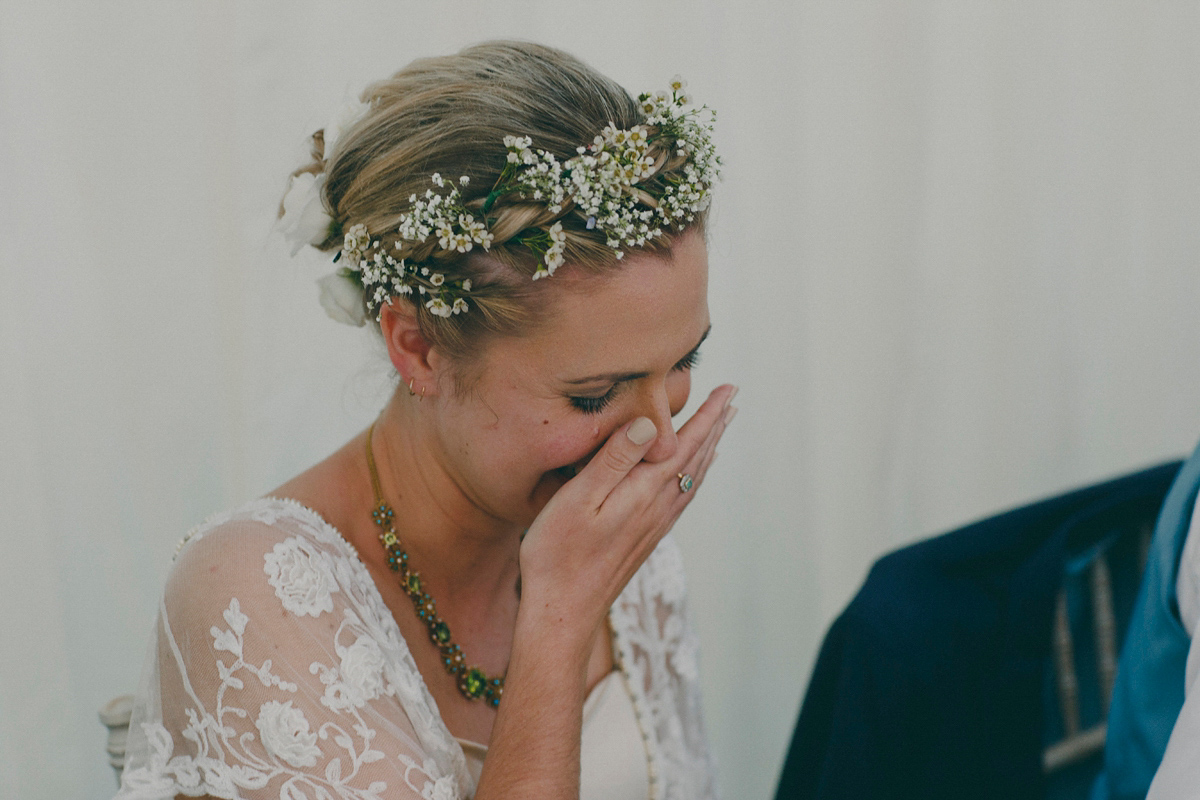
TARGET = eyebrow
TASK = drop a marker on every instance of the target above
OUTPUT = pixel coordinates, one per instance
(620, 377)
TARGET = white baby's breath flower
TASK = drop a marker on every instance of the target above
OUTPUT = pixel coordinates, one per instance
(356, 243)
(603, 182)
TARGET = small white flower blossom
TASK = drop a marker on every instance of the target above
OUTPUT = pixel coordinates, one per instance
(356, 243)
(439, 307)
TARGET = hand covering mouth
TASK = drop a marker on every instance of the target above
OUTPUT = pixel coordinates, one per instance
(568, 471)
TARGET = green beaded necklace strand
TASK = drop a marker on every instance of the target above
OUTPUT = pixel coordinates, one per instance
(473, 682)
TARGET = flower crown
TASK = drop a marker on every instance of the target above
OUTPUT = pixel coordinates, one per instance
(603, 183)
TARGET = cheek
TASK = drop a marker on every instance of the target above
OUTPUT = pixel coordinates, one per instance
(572, 441)
(679, 388)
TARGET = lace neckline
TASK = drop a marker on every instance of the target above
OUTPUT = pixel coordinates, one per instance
(331, 533)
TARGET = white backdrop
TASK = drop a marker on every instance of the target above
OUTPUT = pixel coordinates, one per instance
(954, 269)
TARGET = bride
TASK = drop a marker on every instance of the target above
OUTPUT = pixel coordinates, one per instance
(474, 597)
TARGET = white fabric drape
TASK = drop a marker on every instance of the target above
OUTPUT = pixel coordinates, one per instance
(953, 270)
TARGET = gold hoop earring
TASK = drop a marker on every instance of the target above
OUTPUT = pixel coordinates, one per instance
(411, 393)
(422, 397)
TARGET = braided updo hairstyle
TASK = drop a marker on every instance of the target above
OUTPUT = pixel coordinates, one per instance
(450, 115)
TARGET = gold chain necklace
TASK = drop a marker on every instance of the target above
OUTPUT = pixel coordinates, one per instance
(473, 682)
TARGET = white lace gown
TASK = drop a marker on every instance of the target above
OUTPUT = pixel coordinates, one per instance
(277, 672)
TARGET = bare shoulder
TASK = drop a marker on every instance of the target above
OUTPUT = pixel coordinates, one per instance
(337, 488)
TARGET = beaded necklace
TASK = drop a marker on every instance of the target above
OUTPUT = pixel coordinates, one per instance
(473, 682)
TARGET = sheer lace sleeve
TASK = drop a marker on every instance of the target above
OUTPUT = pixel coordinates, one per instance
(276, 672)
(658, 651)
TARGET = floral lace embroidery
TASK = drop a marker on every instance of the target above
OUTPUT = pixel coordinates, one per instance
(284, 731)
(301, 577)
(323, 758)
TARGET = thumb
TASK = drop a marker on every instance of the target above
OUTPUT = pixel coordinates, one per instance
(621, 453)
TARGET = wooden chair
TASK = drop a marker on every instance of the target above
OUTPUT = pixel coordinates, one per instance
(115, 716)
(1091, 614)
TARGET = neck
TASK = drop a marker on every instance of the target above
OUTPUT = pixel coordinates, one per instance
(463, 553)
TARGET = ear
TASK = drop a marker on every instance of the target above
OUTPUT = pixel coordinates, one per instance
(409, 351)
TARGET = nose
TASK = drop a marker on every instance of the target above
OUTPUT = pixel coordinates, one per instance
(660, 405)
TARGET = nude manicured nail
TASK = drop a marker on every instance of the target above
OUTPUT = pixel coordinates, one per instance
(730, 414)
(732, 395)
(641, 431)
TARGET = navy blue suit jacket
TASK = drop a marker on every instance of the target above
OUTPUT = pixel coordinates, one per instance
(931, 682)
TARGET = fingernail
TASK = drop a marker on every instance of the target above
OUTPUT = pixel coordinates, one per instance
(732, 395)
(730, 414)
(641, 431)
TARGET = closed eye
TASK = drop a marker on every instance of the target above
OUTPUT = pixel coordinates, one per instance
(597, 403)
(594, 405)
(688, 361)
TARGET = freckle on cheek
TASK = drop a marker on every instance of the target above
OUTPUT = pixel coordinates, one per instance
(545, 422)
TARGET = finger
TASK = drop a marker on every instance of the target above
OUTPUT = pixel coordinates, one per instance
(708, 453)
(622, 452)
(697, 466)
(693, 432)
(649, 479)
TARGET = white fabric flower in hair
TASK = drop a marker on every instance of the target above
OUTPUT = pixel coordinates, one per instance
(304, 220)
(342, 299)
(285, 733)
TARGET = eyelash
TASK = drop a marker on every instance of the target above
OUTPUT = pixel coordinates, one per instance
(594, 405)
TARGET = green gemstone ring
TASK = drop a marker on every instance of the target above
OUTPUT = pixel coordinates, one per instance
(685, 482)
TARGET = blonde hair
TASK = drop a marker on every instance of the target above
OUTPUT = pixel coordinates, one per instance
(450, 115)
